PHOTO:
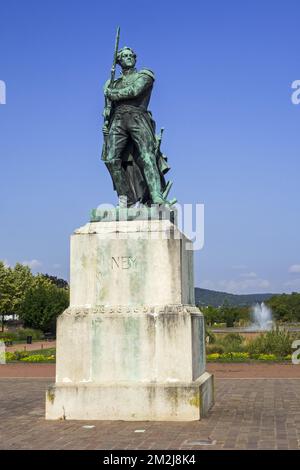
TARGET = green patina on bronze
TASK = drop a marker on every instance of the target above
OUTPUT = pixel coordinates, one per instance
(154, 212)
(131, 148)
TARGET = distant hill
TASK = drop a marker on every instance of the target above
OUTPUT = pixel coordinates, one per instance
(215, 298)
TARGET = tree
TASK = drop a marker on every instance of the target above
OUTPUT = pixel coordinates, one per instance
(285, 307)
(229, 314)
(57, 281)
(22, 280)
(6, 292)
(212, 314)
(42, 304)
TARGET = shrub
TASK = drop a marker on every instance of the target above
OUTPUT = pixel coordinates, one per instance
(229, 357)
(22, 333)
(243, 357)
(230, 337)
(267, 357)
(6, 340)
(44, 352)
(235, 357)
(211, 337)
(38, 358)
(20, 354)
(9, 356)
(8, 336)
(25, 357)
(277, 342)
(239, 355)
(215, 348)
(213, 357)
(232, 342)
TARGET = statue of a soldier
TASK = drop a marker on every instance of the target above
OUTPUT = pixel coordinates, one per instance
(131, 150)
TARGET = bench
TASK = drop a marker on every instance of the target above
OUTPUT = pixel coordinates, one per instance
(49, 336)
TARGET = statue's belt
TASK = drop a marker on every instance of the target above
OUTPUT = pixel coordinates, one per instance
(126, 108)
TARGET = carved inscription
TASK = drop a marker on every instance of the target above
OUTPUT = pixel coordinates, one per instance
(123, 262)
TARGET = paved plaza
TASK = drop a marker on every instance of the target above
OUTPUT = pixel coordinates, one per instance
(249, 414)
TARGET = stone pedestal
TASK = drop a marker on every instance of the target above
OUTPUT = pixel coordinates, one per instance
(131, 345)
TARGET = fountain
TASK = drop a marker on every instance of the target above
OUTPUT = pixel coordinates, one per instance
(262, 318)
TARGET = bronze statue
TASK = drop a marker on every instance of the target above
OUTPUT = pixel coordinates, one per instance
(131, 149)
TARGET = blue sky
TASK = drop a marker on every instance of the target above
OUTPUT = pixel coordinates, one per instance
(224, 71)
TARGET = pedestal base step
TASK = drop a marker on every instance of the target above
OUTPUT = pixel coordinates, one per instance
(131, 402)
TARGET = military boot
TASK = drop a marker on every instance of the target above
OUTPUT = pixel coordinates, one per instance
(152, 178)
(118, 176)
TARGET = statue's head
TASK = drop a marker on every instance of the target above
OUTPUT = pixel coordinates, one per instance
(126, 58)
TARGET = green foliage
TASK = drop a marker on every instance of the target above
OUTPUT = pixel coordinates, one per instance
(37, 300)
(212, 315)
(7, 339)
(232, 342)
(242, 357)
(232, 338)
(229, 314)
(276, 342)
(264, 357)
(225, 314)
(229, 357)
(22, 280)
(235, 356)
(9, 336)
(38, 358)
(14, 283)
(56, 281)
(22, 333)
(285, 307)
(9, 356)
(211, 337)
(272, 345)
(18, 355)
(43, 302)
(41, 355)
(215, 348)
(44, 352)
(6, 291)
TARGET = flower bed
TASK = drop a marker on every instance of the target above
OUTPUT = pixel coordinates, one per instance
(46, 355)
(38, 358)
(245, 357)
(271, 346)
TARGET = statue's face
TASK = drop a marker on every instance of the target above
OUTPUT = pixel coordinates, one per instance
(127, 59)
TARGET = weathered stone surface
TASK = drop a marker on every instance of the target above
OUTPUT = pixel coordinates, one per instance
(131, 345)
(130, 263)
(117, 346)
(131, 402)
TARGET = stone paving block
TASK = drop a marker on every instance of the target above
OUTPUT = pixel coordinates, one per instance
(232, 423)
